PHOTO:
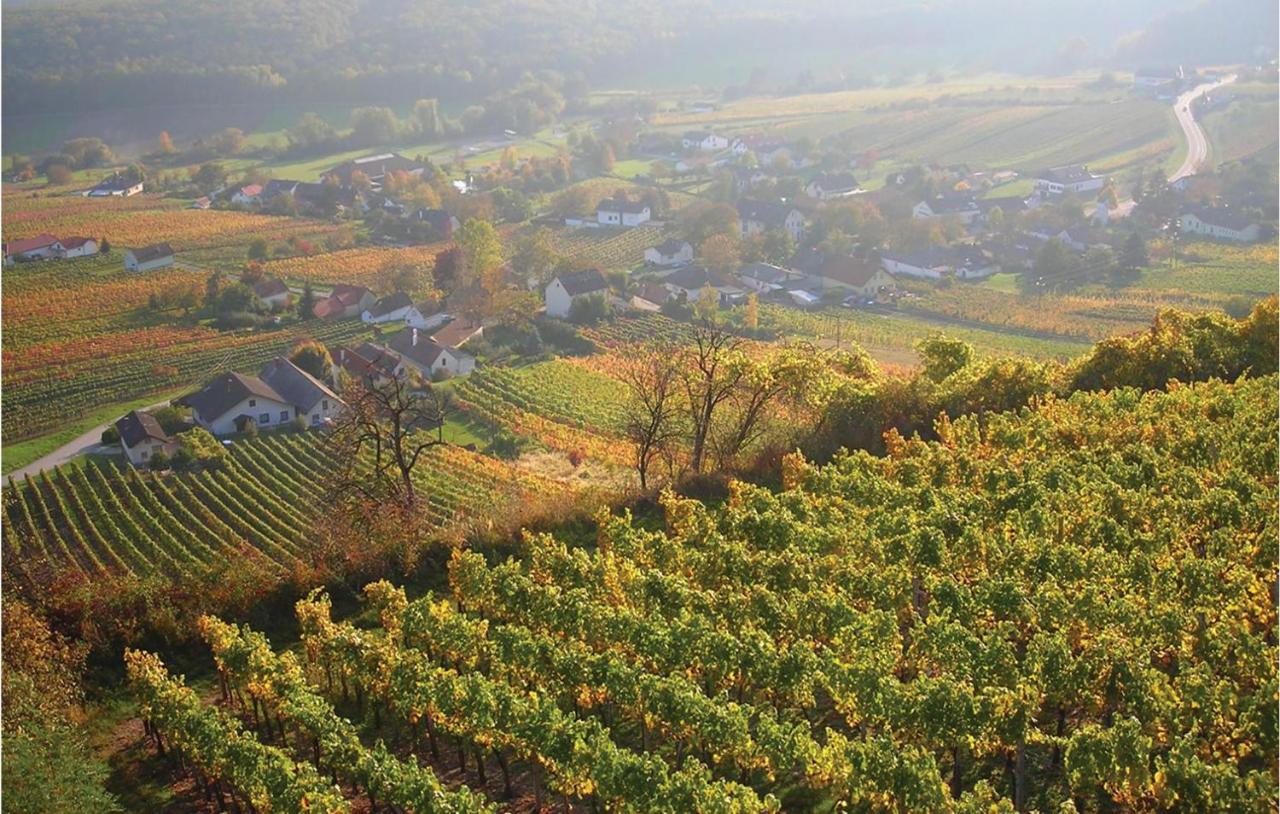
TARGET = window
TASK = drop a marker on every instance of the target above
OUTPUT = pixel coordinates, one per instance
(324, 404)
(253, 402)
(265, 418)
(315, 418)
(284, 416)
(144, 454)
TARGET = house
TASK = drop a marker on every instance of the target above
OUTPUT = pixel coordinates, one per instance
(202, 202)
(1008, 205)
(1073, 178)
(344, 301)
(756, 217)
(773, 153)
(1077, 239)
(621, 212)
(691, 281)
(702, 140)
(935, 262)
(391, 308)
(457, 332)
(39, 247)
(669, 253)
(368, 363)
(426, 316)
(230, 402)
(1220, 223)
(747, 178)
(147, 258)
(77, 247)
(566, 289)
(141, 437)
(739, 147)
(311, 398)
(830, 185)
(325, 198)
(247, 195)
(430, 358)
(375, 168)
(275, 188)
(763, 278)
(1158, 78)
(963, 207)
(440, 221)
(115, 186)
(274, 293)
(650, 297)
(854, 276)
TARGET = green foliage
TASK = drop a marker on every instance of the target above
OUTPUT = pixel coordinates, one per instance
(110, 436)
(206, 451)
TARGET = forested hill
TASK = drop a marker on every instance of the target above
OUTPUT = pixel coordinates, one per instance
(105, 54)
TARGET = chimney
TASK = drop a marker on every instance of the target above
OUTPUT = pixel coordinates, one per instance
(415, 337)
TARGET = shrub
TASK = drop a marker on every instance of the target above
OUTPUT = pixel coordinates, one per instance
(159, 461)
(299, 424)
(505, 446)
(110, 435)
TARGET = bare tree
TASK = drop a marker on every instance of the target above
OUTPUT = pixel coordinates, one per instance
(652, 410)
(380, 437)
(710, 370)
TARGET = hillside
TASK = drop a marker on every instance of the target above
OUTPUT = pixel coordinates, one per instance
(1065, 606)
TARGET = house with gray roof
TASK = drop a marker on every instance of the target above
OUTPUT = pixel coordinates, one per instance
(1221, 223)
(311, 398)
(230, 402)
(141, 437)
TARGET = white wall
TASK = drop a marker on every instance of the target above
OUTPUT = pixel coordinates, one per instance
(225, 424)
(558, 300)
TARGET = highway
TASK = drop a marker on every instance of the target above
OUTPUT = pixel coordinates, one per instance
(1197, 142)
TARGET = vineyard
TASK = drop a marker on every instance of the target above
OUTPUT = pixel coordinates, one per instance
(112, 520)
(629, 330)
(354, 266)
(608, 248)
(1067, 608)
(102, 369)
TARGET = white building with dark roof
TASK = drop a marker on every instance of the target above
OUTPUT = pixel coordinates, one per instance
(1220, 224)
(1073, 178)
(566, 289)
(141, 437)
(230, 402)
(622, 212)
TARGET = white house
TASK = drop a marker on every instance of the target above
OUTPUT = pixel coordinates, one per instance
(141, 437)
(39, 247)
(763, 278)
(430, 358)
(1073, 178)
(155, 256)
(273, 293)
(757, 217)
(692, 281)
(739, 147)
(827, 186)
(230, 402)
(963, 207)
(1222, 224)
(566, 289)
(702, 140)
(962, 262)
(115, 186)
(425, 316)
(669, 253)
(621, 212)
(391, 308)
(311, 398)
(77, 247)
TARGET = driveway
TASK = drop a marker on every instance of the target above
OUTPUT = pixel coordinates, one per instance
(1197, 142)
(83, 444)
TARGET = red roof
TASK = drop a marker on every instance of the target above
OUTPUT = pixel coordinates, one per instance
(251, 190)
(29, 244)
(457, 332)
(75, 242)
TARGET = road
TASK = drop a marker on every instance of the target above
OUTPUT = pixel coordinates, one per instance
(82, 444)
(1197, 142)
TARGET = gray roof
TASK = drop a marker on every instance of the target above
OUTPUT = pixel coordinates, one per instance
(217, 397)
(770, 214)
(1068, 174)
(764, 272)
(277, 186)
(115, 183)
(270, 288)
(1226, 218)
(391, 302)
(672, 246)
(424, 351)
(622, 205)
(835, 180)
(298, 387)
(153, 252)
(137, 427)
(583, 282)
(950, 204)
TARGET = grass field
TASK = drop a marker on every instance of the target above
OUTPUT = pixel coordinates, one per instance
(1218, 268)
(1246, 127)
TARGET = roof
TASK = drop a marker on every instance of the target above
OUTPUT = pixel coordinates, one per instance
(848, 270)
(366, 360)
(153, 252)
(219, 396)
(137, 427)
(29, 244)
(578, 283)
(654, 293)
(456, 332)
(771, 214)
(931, 257)
(273, 287)
(691, 278)
(672, 246)
(764, 272)
(278, 186)
(251, 190)
(389, 303)
(424, 351)
(440, 219)
(76, 242)
(346, 291)
(951, 204)
(375, 166)
(1223, 217)
(298, 387)
(835, 181)
(116, 182)
(622, 205)
(1067, 175)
